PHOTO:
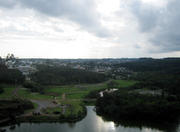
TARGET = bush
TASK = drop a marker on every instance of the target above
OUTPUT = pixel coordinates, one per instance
(33, 87)
(12, 108)
(93, 94)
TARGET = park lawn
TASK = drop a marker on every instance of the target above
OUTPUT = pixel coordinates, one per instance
(73, 108)
(125, 83)
(26, 94)
(71, 91)
(76, 107)
(74, 95)
(22, 93)
(74, 91)
(78, 95)
(81, 90)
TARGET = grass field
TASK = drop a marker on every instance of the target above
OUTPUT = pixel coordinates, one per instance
(74, 94)
(80, 91)
(74, 107)
(22, 93)
(7, 92)
(74, 91)
(125, 83)
(70, 91)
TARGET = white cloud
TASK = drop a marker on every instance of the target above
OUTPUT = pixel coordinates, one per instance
(89, 29)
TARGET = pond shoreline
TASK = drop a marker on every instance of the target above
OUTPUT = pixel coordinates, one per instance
(45, 118)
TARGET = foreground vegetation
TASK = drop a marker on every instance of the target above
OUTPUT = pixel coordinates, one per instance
(9, 109)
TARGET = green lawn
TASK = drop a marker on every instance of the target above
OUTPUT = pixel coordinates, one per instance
(125, 83)
(73, 109)
(71, 91)
(22, 93)
(80, 91)
(74, 91)
(7, 94)
(74, 94)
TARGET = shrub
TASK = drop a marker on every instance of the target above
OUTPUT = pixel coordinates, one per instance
(33, 87)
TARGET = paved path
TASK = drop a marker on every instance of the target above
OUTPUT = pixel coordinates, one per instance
(42, 104)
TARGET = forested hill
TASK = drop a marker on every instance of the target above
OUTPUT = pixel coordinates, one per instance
(52, 75)
(171, 65)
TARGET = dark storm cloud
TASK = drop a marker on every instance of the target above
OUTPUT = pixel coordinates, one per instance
(81, 12)
(162, 24)
(146, 15)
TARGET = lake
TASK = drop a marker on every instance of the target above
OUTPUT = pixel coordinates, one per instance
(91, 123)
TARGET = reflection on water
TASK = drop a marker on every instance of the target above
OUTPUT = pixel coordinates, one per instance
(91, 123)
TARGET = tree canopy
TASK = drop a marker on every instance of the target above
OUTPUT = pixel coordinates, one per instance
(53, 75)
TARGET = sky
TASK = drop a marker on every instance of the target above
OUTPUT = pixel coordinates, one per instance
(90, 28)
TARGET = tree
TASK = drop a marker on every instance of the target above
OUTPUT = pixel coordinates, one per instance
(10, 57)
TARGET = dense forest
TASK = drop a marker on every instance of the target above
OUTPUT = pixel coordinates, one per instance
(120, 105)
(52, 75)
(168, 65)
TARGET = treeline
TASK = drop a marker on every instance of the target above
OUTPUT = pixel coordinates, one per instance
(170, 65)
(52, 75)
(156, 74)
(124, 105)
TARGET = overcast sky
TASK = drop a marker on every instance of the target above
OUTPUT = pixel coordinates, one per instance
(90, 28)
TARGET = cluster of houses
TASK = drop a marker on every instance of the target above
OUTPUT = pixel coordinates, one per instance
(27, 66)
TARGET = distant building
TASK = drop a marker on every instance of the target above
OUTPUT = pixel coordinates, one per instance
(26, 70)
